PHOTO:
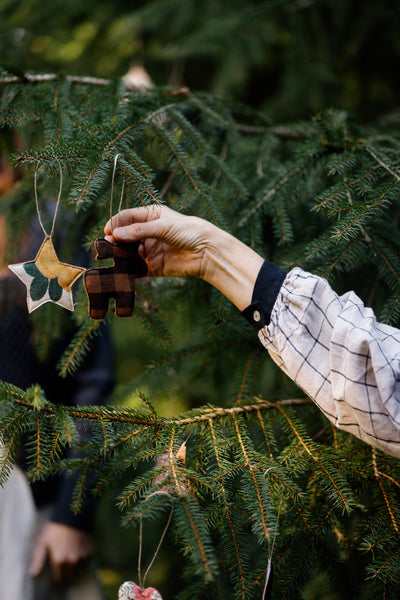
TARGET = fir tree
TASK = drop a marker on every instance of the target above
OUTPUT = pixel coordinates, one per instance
(265, 476)
(251, 473)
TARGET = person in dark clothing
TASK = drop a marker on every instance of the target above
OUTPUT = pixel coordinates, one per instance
(62, 543)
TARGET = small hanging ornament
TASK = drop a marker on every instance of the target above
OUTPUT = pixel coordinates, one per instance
(116, 282)
(129, 590)
(171, 479)
(46, 278)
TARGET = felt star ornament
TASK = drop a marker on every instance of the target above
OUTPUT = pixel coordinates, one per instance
(47, 279)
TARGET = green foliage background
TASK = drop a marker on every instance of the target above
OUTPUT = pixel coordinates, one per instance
(289, 135)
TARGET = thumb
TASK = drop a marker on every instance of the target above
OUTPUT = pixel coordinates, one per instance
(38, 560)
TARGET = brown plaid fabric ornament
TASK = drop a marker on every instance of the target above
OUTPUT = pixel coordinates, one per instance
(116, 282)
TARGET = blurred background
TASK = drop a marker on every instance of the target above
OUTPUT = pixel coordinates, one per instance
(289, 59)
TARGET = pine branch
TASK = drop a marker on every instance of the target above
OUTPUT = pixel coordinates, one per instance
(44, 77)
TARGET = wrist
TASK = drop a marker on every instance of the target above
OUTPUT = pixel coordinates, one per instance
(231, 267)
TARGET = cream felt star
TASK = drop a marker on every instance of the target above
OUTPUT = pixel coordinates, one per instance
(47, 279)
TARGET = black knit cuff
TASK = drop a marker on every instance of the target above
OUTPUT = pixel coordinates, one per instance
(266, 289)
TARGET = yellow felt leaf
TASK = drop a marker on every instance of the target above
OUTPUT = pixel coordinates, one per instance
(47, 261)
(48, 264)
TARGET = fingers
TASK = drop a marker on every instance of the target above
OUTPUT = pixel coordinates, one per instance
(64, 570)
(129, 216)
(139, 231)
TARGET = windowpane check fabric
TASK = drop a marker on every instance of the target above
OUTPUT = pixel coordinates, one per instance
(335, 350)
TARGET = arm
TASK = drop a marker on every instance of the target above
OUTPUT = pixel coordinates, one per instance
(176, 245)
(331, 346)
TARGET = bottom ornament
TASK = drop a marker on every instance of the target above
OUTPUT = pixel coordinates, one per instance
(129, 590)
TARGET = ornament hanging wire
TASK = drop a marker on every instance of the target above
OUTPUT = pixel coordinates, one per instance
(57, 203)
(112, 195)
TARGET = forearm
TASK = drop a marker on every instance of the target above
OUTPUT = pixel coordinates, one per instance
(231, 267)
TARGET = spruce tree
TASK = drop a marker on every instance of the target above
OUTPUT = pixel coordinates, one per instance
(251, 473)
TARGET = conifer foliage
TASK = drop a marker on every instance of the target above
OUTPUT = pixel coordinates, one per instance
(254, 475)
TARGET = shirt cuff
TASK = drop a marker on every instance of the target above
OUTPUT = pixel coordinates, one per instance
(266, 289)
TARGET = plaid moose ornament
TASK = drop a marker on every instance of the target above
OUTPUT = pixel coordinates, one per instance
(116, 282)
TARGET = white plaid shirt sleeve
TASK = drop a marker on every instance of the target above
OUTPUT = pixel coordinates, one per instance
(335, 350)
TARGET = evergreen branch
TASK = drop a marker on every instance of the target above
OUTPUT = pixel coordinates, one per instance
(120, 415)
(124, 415)
(340, 258)
(386, 563)
(244, 378)
(295, 568)
(99, 486)
(190, 176)
(187, 352)
(336, 191)
(207, 567)
(289, 175)
(38, 442)
(45, 77)
(6, 456)
(266, 437)
(179, 488)
(383, 164)
(314, 249)
(377, 248)
(11, 425)
(12, 390)
(80, 490)
(218, 413)
(78, 348)
(89, 178)
(314, 457)
(203, 146)
(130, 175)
(147, 403)
(52, 452)
(385, 497)
(239, 567)
(360, 216)
(252, 473)
(237, 549)
(146, 317)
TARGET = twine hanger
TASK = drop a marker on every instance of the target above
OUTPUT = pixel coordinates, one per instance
(143, 579)
(112, 196)
(57, 203)
(272, 545)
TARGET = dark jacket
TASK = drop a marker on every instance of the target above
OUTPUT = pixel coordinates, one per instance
(19, 365)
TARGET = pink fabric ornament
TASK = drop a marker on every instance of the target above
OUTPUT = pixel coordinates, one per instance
(129, 590)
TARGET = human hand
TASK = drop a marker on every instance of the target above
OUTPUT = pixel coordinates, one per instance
(171, 243)
(177, 245)
(64, 548)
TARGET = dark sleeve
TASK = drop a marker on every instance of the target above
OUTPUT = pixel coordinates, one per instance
(266, 289)
(91, 386)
